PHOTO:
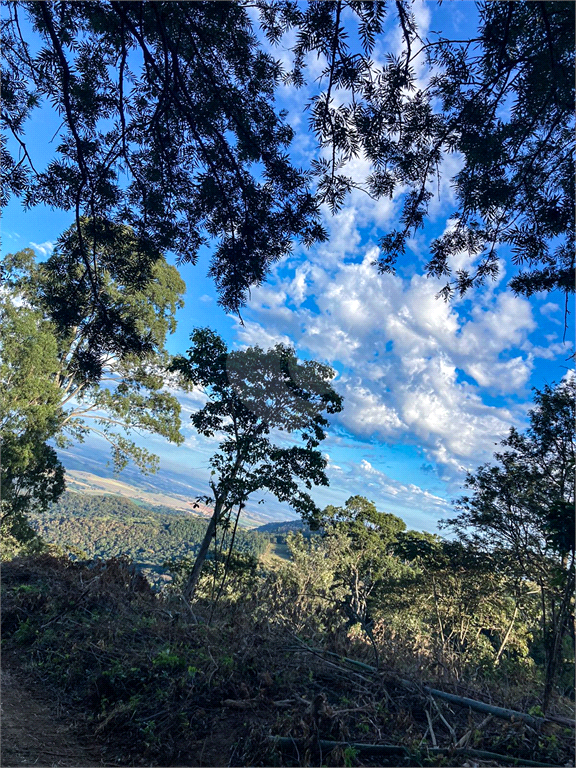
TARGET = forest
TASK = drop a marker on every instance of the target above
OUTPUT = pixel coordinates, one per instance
(101, 527)
(240, 138)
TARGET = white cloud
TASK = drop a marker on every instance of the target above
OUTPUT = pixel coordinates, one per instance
(549, 308)
(416, 506)
(549, 311)
(551, 351)
(405, 357)
(44, 249)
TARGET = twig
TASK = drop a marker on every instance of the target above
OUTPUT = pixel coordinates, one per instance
(464, 740)
(446, 723)
(189, 608)
(461, 701)
(431, 729)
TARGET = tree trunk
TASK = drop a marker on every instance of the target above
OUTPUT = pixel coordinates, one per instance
(440, 625)
(507, 635)
(557, 633)
(192, 582)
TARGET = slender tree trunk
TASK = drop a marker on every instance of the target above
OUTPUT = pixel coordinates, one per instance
(440, 625)
(192, 582)
(558, 632)
(229, 555)
(507, 635)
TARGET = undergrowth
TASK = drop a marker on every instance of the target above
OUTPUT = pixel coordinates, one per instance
(165, 684)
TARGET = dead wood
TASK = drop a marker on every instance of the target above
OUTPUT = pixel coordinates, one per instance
(287, 742)
(461, 701)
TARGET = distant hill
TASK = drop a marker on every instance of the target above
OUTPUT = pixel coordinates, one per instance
(100, 526)
(86, 483)
(88, 471)
(286, 526)
(171, 495)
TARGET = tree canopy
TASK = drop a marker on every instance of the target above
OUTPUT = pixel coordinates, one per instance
(252, 396)
(175, 99)
(501, 100)
(71, 366)
(521, 513)
(169, 127)
(30, 414)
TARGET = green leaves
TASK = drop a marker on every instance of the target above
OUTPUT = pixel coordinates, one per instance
(253, 395)
(30, 414)
(176, 99)
(74, 364)
(521, 512)
(502, 99)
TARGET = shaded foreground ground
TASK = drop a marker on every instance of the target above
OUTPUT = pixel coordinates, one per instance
(253, 684)
(37, 731)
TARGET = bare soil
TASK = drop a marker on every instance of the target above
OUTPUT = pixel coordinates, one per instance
(37, 731)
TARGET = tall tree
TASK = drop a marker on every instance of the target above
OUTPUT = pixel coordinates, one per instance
(31, 476)
(522, 511)
(72, 366)
(471, 602)
(366, 537)
(253, 395)
(362, 557)
(178, 97)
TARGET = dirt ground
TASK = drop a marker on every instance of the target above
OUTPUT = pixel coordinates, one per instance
(35, 731)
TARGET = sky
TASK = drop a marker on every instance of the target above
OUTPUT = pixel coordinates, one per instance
(430, 388)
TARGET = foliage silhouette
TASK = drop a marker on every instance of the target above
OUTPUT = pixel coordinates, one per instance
(521, 513)
(251, 395)
(178, 98)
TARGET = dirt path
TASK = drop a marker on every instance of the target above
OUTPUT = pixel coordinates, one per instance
(35, 732)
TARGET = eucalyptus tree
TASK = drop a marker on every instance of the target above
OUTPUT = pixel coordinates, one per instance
(366, 561)
(168, 125)
(361, 539)
(253, 398)
(31, 476)
(521, 512)
(72, 366)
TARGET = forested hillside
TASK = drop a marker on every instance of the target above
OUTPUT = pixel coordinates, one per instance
(370, 644)
(103, 526)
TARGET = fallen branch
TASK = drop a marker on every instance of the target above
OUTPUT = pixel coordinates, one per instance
(480, 706)
(466, 738)
(483, 755)
(430, 728)
(287, 742)
(461, 701)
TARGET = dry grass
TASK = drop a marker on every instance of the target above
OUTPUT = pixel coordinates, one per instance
(168, 686)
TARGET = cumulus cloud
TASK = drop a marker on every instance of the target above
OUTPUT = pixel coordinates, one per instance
(416, 506)
(412, 368)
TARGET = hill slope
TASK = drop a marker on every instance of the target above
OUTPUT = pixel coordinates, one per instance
(100, 526)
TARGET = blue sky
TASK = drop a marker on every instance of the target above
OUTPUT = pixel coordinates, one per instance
(429, 388)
